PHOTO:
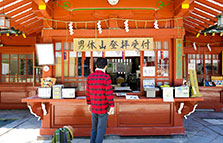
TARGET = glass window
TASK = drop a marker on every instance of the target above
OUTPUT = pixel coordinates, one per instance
(19, 67)
(79, 63)
(87, 66)
(13, 65)
(158, 45)
(149, 58)
(66, 46)
(166, 45)
(163, 63)
(58, 46)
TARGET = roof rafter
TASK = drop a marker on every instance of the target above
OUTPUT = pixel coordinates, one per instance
(191, 28)
(202, 19)
(178, 10)
(41, 13)
(34, 24)
(35, 30)
(6, 2)
(205, 15)
(20, 10)
(210, 4)
(198, 22)
(194, 25)
(26, 18)
(12, 7)
(190, 31)
(22, 15)
(206, 9)
(219, 1)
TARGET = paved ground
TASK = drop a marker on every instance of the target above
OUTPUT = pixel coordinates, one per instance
(203, 126)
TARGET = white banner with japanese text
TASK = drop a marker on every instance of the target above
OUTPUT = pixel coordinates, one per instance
(113, 44)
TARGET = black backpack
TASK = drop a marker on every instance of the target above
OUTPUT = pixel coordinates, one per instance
(62, 135)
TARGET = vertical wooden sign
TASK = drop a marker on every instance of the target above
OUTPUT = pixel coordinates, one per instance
(194, 85)
(179, 52)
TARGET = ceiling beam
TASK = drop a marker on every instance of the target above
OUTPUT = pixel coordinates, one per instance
(23, 15)
(6, 2)
(206, 9)
(179, 11)
(205, 15)
(217, 7)
(190, 31)
(28, 22)
(41, 13)
(219, 1)
(192, 28)
(26, 18)
(12, 7)
(34, 24)
(20, 10)
(198, 22)
(35, 30)
(194, 25)
(202, 19)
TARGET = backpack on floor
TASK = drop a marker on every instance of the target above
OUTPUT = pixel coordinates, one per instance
(62, 135)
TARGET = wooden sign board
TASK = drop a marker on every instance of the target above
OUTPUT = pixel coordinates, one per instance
(179, 52)
(113, 44)
(194, 85)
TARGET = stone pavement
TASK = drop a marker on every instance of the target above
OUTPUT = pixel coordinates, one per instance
(203, 126)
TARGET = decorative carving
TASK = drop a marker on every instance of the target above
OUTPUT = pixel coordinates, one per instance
(159, 4)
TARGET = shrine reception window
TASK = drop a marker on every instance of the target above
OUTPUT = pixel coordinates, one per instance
(158, 63)
(71, 68)
(18, 68)
(206, 65)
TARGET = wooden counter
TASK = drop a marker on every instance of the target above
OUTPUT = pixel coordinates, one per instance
(146, 116)
(11, 95)
(213, 98)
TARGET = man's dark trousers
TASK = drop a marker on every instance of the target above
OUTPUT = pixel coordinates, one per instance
(99, 125)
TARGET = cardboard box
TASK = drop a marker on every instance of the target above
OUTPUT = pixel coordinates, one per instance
(182, 91)
(57, 91)
(44, 92)
(68, 92)
(168, 94)
(151, 92)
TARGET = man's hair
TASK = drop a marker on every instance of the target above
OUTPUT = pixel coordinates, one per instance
(101, 63)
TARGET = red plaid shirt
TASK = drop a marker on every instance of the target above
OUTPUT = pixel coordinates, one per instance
(99, 93)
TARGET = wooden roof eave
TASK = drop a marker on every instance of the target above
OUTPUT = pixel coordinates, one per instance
(219, 1)
(179, 11)
(212, 19)
(37, 29)
(33, 25)
(192, 28)
(14, 6)
(206, 9)
(6, 2)
(210, 4)
(202, 19)
(198, 22)
(28, 6)
(41, 13)
(194, 25)
(21, 16)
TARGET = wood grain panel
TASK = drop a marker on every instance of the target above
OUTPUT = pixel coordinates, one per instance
(144, 114)
(76, 115)
(211, 96)
(12, 97)
(75, 121)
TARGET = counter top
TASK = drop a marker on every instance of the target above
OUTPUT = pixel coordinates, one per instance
(116, 99)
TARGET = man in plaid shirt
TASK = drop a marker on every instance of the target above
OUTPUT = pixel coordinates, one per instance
(100, 100)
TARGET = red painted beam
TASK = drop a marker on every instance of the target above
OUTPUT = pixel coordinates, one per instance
(217, 7)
